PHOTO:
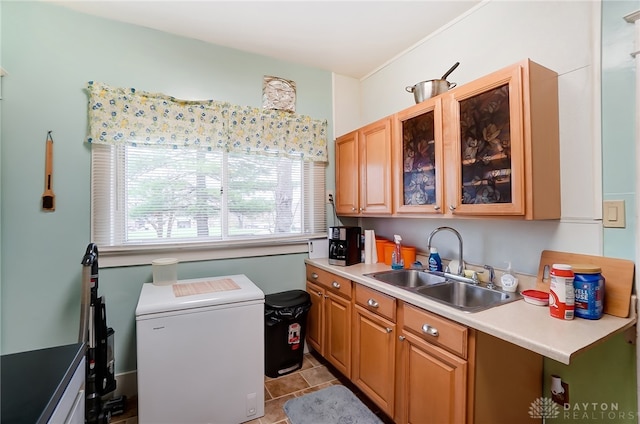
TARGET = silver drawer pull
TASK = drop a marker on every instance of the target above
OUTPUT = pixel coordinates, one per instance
(319, 293)
(372, 303)
(436, 208)
(314, 276)
(452, 208)
(389, 330)
(432, 331)
(335, 284)
(401, 338)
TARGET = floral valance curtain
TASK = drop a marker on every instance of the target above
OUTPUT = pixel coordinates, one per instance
(126, 116)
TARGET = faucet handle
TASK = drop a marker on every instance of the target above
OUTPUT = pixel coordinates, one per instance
(474, 277)
(492, 273)
(492, 277)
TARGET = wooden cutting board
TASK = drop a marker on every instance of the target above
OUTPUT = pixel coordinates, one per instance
(618, 274)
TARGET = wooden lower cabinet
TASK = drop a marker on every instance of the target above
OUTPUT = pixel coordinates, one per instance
(338, 332)
(447, 373)
(417, 366)
(329, 320)
(431, 380)
(374, 347)
(432, 383)
(315, 318)
(507, 379)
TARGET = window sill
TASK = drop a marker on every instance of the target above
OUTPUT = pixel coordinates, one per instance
(143, 255)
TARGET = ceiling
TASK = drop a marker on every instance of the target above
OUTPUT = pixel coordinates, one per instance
(351, 38)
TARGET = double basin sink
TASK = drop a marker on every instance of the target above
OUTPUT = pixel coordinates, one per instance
(452, 290)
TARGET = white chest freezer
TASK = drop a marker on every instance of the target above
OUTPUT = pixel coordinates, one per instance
(200, 348)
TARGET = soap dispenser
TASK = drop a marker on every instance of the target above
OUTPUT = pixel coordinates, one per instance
(397, 262)
(508, 281)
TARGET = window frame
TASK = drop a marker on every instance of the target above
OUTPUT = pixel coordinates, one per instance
(186, 251)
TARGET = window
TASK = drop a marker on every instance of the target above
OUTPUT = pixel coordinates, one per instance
(194, 176)
(150, 197)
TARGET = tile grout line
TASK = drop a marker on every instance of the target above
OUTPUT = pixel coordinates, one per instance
(268, 391)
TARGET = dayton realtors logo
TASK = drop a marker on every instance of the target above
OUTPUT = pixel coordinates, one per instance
(544, 408)
(580, 411)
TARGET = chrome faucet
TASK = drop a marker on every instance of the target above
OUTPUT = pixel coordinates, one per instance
(437, 230)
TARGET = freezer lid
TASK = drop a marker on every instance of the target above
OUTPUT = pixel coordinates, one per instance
(156, 299)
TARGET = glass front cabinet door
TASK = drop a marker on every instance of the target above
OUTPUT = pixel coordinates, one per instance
(418, 157)
(501, 145)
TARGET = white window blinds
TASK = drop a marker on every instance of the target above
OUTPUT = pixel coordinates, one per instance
(151, 196)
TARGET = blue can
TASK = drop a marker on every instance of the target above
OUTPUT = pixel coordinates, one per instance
(588, 286)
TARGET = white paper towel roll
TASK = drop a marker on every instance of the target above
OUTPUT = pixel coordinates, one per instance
(374, 248)
(370, 253)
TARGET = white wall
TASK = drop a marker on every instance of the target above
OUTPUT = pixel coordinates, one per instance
(563, 36)
(346, 104)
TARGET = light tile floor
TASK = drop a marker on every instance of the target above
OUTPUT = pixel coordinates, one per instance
(315, 374)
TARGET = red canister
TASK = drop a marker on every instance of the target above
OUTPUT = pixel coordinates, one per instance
(561, 293)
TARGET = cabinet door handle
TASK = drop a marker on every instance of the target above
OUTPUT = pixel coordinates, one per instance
(319, 293)
(436, 207)
(353, 209)
(335, 284)
(361, 209)
(401, 338)
(452, 208)
(389, 330)
(432, 331)
(372, 303)
(314, 276)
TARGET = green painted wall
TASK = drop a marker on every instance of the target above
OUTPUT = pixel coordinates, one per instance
(50, 53)
(618, 122)
(606, 377)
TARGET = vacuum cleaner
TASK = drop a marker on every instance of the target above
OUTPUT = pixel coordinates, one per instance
(98, 338)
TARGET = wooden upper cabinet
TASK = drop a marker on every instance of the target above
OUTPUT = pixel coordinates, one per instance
(501, 140)
(490, 148)
(375, 168)
(363, 170)
(347, 174)
(418, 159)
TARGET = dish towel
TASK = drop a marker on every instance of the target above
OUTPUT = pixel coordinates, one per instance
(370, 250)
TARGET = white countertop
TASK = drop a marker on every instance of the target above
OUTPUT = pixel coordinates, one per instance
(518, 322)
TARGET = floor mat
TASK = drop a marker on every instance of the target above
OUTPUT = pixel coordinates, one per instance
(335, 404)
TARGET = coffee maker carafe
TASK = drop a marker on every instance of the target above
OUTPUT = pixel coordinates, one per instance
(344, 245)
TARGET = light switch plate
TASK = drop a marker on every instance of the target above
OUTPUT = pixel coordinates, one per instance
(613, 214)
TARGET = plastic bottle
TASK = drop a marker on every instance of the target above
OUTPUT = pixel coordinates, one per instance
(561, 292)
(396, 257)
(435, 263)
(508, 281)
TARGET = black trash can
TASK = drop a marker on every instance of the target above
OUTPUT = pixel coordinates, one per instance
(285, 322)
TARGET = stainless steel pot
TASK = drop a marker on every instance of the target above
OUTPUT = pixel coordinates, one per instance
(426, 89)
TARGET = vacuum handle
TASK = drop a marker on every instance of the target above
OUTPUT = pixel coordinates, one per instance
(85, 301)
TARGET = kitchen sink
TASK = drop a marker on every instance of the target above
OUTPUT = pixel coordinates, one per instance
(465, 296)
(411, 278)
(449, 289)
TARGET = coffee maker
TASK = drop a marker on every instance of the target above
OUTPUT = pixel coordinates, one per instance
(344, 245)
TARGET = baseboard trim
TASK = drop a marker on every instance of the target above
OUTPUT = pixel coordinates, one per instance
(126, 384)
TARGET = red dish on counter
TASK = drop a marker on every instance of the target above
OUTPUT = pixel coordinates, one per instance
(536, 297)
